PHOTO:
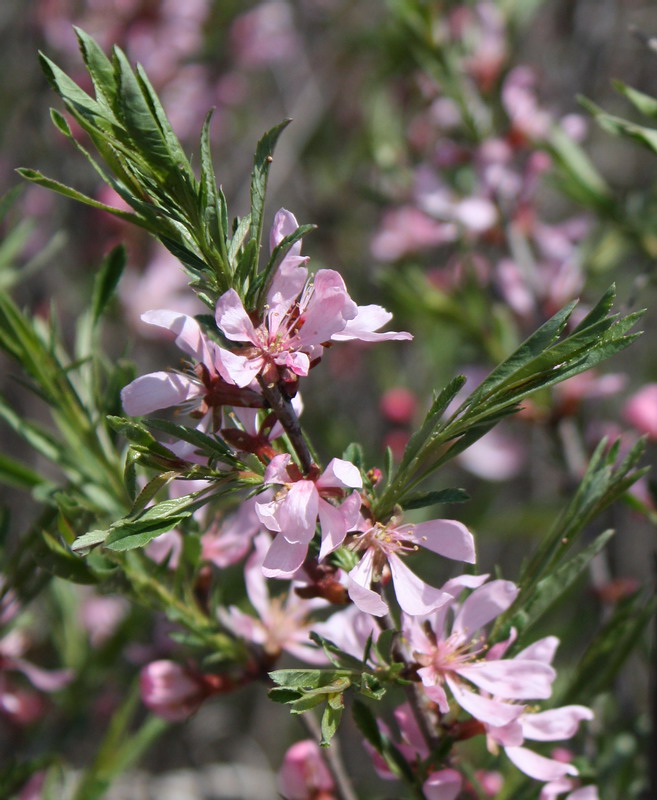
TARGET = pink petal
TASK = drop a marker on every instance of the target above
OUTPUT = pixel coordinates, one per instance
(158, 390)
(256, 586)
(512, 679)
(555, 724)
(284, 224)
(358, 586)
(189, 336)
(276, 471)
(284, 558)
(447, 537)
(364, 326)
(484, 605)
(340, 474)
(539, 767)
(233, 320)
(297, 512)
(434, 691)
(298, 362)
(328, 309)
(237, 369)
(47, 680)
(443, 785)
(413, 594)
(486, 709)
(334, 527)
(542, 650)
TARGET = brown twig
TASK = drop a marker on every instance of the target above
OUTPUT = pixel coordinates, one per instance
(282, 407)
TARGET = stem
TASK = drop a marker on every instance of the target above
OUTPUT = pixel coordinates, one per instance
(282, 407)
(332, 757)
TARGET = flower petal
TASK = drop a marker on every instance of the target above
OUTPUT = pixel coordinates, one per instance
(413, 594)
(233, 320)
(443, 785)
(340, 474)
(158, 390)
(364, 326)
(539, 767)
(554, 724)
(358, 586)
(486, 709)
(284, 558)
(511, 679)
(447, 537)
(483, 605)
(189, 336)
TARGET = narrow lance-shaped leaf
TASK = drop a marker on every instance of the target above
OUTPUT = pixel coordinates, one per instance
(261, 165)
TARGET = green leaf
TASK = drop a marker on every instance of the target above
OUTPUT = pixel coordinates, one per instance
(280, 694)
(101, 70)
(643, 102)
(424, 499)
(59, 560)
(370, 686)
(106, 281)
(549, 589)
(308, 678)
(615, 642)
(36, 177)
(14, 473)
(331, 719)
(139, 121)
(212, 446)
(261, 165)
(139, 533)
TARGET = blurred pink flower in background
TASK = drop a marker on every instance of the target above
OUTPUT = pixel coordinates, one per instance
(304, 775)
(170, 690)
(641, 410)
(283, 620)
(398, 405)
(265, 36)
(101, 615)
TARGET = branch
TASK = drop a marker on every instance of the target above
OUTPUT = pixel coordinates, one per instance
(282, 407)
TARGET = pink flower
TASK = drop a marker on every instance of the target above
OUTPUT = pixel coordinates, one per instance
(398, 405)
(208, 385)
(295, 509)
(171, 691)
(453, 658)
(282, 622)
(641, 410)
(384, 544)
(229, 541)
(304, 775)
(442, 785)
(555, 724)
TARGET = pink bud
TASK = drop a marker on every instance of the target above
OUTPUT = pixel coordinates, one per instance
(304, 775)
(641, 410)
(398, 405)
(171, 691)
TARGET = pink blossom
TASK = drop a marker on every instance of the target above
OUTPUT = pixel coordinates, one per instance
(383, 545)
(230, 540)
(641, 410)
(171, 691)
(209, 384)
(558, 787)
(398, 404)
(282, 622)
(442, 785)
(452, 657)
(294, 512)
(408, 230)
(304, 775)
(101, 615)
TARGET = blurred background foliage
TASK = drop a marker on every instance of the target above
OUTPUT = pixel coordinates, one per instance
(454, 178)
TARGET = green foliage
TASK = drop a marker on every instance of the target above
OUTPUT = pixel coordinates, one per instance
(143, 161)
(540, 362)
